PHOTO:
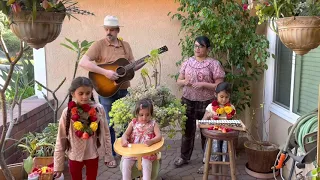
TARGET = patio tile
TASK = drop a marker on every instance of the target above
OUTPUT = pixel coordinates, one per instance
(170, 172)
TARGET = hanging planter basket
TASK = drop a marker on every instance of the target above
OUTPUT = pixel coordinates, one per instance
(44, 29)
(299, 33)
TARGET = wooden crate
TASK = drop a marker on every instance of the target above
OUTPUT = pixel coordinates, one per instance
(17, 171)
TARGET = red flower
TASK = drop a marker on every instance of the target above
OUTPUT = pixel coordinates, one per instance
(245, 7)
(233, 112)
(229, 116)
(71, 104)
(16, 7)
(214, 108)
(85, 107)
(50, 165)
(79, 133)
(92, 112)
(227, 104)
(93, 118)
(75, 117)
(215, 103)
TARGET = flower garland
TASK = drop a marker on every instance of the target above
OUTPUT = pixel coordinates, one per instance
(83, 129)
(227, 108)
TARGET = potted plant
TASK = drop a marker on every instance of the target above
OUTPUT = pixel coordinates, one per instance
(39, 146)
(261, 154)
(38, 22)
(168, 110)
(297, 22)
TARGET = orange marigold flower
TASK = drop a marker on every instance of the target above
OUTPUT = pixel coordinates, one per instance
(74, 110)
(92, 112)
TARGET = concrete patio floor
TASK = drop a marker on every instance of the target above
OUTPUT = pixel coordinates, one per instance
(169, 171)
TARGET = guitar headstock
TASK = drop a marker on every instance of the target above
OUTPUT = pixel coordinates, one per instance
(162, 49)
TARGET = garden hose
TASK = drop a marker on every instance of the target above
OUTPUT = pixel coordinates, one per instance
(305, 124)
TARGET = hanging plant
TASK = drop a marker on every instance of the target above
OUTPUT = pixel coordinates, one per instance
(297, 22)
(38, 22)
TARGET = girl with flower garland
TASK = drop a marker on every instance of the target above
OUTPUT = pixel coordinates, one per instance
(83, 133)
(220, 108)
(141, 130)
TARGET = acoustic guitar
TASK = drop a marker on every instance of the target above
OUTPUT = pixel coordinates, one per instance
(106, 87)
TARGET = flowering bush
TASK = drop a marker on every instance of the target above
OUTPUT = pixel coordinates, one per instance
(235, 43)
(168, 110)
(274, 9)
(67, 6)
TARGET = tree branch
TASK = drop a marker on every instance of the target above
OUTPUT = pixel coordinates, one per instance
(46, 98)
(12, 64)
(3, 46)
(43, 86)
(59, 85)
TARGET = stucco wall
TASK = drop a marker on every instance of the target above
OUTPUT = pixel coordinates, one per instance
(146, 26)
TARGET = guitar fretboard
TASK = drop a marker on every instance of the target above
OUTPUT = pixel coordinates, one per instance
(132, 65)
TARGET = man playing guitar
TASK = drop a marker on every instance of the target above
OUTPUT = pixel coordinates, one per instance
(108, 50)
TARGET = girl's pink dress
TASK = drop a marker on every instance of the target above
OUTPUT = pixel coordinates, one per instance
(141, 133)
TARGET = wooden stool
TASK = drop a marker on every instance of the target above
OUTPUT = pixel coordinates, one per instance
(218, 135)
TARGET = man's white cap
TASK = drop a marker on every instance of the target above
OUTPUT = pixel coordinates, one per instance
(111, 21)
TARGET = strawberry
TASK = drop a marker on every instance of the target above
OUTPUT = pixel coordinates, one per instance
(224, 130)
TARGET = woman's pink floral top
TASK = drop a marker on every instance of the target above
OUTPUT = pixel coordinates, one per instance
(207, 70)
(141, 133)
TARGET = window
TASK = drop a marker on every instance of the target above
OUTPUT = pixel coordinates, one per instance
(282, 78)
(296, 80)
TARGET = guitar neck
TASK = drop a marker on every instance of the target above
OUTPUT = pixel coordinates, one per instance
(132, 65)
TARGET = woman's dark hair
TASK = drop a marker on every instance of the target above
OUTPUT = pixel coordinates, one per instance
(224, 86)
(203, 40)
(76, 83)
(144, 104)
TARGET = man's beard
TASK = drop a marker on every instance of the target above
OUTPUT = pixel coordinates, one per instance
(110, 37)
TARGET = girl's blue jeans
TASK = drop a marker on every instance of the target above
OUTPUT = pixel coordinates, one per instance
(107, 103)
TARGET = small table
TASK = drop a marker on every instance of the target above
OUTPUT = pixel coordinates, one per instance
(138, 150)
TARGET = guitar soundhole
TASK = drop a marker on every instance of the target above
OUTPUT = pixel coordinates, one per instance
(121, 71)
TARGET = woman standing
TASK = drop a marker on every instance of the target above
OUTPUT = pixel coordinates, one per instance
(199, 76)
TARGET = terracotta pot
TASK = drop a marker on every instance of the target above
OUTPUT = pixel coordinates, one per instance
(261, 156)
(300, 33)
(44, 29)
(42, 161)
(17, 171)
